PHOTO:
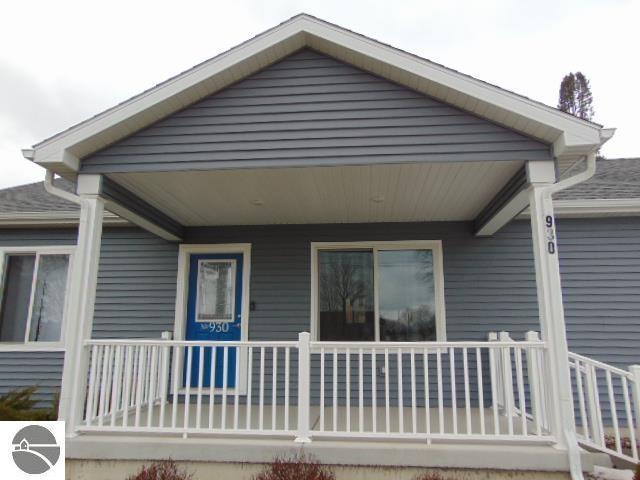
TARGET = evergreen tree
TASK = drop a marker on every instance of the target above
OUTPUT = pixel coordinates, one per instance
(575, 96)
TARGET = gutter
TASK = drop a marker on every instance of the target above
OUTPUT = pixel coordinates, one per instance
(573, 180)
(58, 192)
(587, 173)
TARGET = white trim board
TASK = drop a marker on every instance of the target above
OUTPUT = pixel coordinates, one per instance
(182, 292)
(597, 207)
(438, 273)
(28, 346)
(52, 218)
(571, 136)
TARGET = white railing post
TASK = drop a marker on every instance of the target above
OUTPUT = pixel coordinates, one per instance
(79, 319)
(163, 386)
(593, 404)
(635, 388)
(304, 387)
(495, 369)
(507, 375)
(552, 323)
(536, 381)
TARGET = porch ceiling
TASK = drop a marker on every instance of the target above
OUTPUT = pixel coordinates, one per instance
(341, 194)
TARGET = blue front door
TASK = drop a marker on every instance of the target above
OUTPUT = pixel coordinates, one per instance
(214, 313)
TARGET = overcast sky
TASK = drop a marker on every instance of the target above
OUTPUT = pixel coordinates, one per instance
(62, 61)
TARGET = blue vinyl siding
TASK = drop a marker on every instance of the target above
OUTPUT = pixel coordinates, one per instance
(312, 109)
(489, 283)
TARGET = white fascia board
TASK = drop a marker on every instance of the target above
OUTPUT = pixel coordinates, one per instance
(577, 130)
(140, 221)
(278, 42)
(45, 219)
(54, 150)
(505, 215)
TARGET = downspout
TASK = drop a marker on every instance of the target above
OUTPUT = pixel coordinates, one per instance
(573, 449)
(57, 191)
(586, 174)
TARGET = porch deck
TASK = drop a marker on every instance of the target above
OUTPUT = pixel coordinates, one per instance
(347, 424)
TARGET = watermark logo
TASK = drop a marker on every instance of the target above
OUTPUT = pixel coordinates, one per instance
(35, 449)
(32, 450)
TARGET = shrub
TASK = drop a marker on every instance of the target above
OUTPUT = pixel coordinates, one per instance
(18, 405)
(295, 468)
(164, 470)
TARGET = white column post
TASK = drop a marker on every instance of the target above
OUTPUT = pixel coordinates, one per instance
(82, 294)
(304, 387)
(552, 325)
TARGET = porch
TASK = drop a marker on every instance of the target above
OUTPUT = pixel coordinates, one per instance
(492, 392)
(439, 382)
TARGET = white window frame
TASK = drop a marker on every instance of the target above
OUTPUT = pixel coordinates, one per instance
(38, 251)
(185, 251)
(438, 273)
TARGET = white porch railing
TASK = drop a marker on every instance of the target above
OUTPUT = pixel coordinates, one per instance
(511, 399)
(435, 391)
(607, 402)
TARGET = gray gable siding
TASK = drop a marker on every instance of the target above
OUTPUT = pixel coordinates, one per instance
(312, 109)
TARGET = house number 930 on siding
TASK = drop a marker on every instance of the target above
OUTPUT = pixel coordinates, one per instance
(551, 234)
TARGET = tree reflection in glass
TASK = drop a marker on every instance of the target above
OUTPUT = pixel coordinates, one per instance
(346, 295)
(407, 295)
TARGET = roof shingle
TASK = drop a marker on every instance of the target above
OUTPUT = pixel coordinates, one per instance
(615, 178)
(33, 198)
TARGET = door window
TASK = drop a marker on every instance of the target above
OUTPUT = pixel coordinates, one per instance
(216, 291)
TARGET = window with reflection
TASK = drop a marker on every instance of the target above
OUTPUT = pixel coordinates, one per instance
(33, 287)
(407, 309)
(377, 293)
(346, 295)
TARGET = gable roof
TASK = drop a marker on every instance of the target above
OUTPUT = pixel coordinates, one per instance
(570, 136)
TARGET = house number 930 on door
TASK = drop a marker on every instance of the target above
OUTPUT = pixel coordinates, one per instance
(216, 327)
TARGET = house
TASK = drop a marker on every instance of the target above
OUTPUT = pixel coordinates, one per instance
(317, 241)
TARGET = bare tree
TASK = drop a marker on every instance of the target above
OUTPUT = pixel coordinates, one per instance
(342, 285)
(575, 96)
